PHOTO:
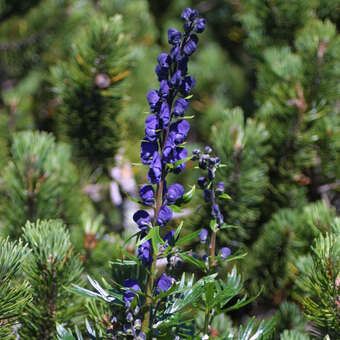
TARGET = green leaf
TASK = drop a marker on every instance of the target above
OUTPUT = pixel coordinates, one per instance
(132, 199)
(175, 208)
(181, 161)
(229, 226)
(189, 97)
(156, 238)
(187, 238)
(193, 261)
(187, 197)
(178, 230)
(213, 225)
(225, 196)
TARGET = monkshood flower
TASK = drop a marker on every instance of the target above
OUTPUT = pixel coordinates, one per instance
(145, 253)
(142, 218)
(164, 283)
(162, 148)
(224, 252)
(130, 294)
(203, 235)
(175, 193)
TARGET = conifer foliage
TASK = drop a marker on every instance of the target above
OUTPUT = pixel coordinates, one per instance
(51, 268)
(90, 86)
(39, 182)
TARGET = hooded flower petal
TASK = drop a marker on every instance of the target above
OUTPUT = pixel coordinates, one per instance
(174, 36)
(147, 151)
(164, 115)
(224, 252)
(144, 253)
(175, 192)
(155, 170)
(147, 194)
(151, 127)
(153, 99)
(142, 218)
(164, 216)
(203, 235)
(180, 106)
(164, 283)
(129, 294)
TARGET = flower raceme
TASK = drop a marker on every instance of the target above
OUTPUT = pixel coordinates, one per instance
(162, 150)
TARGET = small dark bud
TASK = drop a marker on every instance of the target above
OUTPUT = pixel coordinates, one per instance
(202, 182)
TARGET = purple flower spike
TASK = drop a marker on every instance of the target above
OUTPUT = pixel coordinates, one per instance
(203, 235)
(164, 283)
(164, 215)
(144, 253)
(155, 171)
(147, 194)
(174, 36)
(180, 106)
(224, 252)
(142, 218)
(129, 294)
(175, 192)
(148, 149)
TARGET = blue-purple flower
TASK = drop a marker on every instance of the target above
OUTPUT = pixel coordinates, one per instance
(151, 127)
(224, 252)
(142, 218)
(180, 106)
(164, 215)
(144, 253)
(169, 238)
(148, 149)
(174, 36)
(175, 193)
(203, 235)
(130, 294)
(199, 25)
(153, 99)
(155, 170)
(164, 60)
(164, 283)
(147, 194)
